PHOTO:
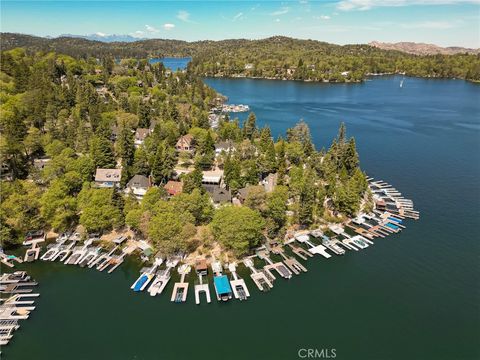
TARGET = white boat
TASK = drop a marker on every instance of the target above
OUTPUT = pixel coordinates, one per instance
(160, 282)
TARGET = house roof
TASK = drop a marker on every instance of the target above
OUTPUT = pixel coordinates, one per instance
(221, 195)
(185, 140)
(174, 187)
(212, 176)
(224, 145)
(113, 175)
(222, 285)
(139, 181)
(141, 134)
(201, 264)
(243, 192)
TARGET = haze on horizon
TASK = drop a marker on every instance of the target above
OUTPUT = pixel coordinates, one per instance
(440, 22)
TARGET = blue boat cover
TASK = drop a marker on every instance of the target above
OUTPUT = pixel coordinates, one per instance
(140, 283)
(399, 221)
(222, 285)
(391, 226)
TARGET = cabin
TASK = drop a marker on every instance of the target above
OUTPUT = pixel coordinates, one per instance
(201, 267)
(140, 136)
(138, 186)
(212, 179)
(185, 143)
(221, 195)
(174, 187)
(108, 178)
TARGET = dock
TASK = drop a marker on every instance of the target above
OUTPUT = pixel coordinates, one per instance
(293, 264)
(314, 249)
(180, 289)
(259, 278)
(300, 252)
(17, 306)
(202, 288)
(240, 290)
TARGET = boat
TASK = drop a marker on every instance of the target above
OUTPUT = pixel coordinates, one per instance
(160, 282)
(142, 282)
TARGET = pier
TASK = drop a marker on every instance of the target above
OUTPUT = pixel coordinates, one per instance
(240, 290)
(314, 249)
(293, 264)
(180, 289)
(259, 278)
(17, 306)
(201, 268)
(300, 252)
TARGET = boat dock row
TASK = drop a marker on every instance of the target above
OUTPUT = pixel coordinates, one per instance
(18, 305)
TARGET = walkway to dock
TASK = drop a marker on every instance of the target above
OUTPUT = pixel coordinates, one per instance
(259, 278)
(199, 288)
(239, 288)
(293, 264)
(180, 289)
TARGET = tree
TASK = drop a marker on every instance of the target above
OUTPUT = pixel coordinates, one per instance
(276, 207)
(144, 115)
(232, 172)
(163, 163)
(193, 180)
(140, 162)
(101, 152)
(256, 198)
(57, 206)
(250, 126)
(125, 145)
(238, 228)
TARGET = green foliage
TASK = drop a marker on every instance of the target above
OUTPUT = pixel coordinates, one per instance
(238, 228)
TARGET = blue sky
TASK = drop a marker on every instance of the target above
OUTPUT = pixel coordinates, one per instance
(442, 22)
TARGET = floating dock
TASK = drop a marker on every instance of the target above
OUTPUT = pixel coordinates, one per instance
(314, 249)
(259, 278)
(293, 264)
(180, 289)
(240, 290)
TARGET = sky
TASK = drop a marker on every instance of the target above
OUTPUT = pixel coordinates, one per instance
(441, 22)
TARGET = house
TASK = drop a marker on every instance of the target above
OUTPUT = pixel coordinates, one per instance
(174, 187)
(270, 182)
(224, 146)
(201, 267)
(221, 195)
(40, 164)
(108, 177)
(212, 179)
(140, 136)
(243, 194)
(138, 186)
(249, 66)
(185, 143)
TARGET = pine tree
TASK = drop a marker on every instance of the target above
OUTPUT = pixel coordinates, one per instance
(126, 148)
(250, 126)
(101, 152)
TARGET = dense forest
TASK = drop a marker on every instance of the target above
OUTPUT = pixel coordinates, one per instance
(76, 115)
(276, 57)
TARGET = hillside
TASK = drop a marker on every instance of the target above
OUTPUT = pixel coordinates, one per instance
(276, 57)
(423, 49)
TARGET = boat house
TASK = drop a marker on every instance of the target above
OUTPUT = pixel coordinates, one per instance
(222, 287)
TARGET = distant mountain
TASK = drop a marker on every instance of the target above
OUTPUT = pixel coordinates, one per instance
(103, 37)
(423, 49)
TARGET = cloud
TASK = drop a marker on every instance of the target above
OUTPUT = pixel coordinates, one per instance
(346, 5)
(322, 17)
(184, 16)
(101, 34)
(277, 20)
(168, 26)
(151, 29)
(138, 34)
(282, 11)
(239, 16)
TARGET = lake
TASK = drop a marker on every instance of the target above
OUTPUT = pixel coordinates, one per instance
(172, 63)
(414, 295)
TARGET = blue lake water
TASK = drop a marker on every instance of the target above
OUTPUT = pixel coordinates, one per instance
(414, 295)
(172, 63)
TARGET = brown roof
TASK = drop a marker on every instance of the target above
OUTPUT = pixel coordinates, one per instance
(113, 175)
(185, 141)
(201, 264)
(174, 187)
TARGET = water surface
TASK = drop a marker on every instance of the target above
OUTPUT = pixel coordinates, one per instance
(410, 296)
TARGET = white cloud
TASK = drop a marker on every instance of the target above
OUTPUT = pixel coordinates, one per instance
(151, 29)
(138, 34)
(101, 34)
(168, 26)
(347, 5)
(282, 11)
(277, 20)
(239, 16)
(184, 16)
(322, 17)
